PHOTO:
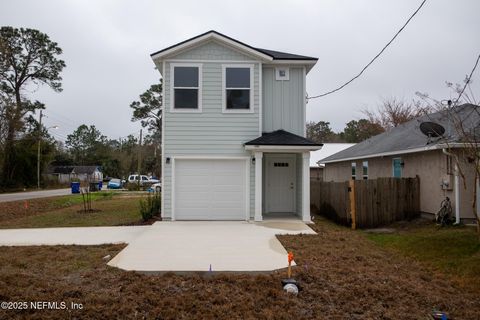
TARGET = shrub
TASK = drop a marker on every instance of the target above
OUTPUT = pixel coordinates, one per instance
(132, 186)
(150, 206)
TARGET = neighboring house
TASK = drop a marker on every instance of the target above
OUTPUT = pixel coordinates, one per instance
(328, 149)
(405, 151)
(65, 174)
(233, 138)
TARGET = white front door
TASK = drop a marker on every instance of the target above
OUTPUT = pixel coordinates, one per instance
(280, 183)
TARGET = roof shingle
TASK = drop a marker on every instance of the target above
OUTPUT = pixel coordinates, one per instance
(282, 138)
(408, 135)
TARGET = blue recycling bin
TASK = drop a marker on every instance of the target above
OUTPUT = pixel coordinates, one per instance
(75, 187)
(100, 185)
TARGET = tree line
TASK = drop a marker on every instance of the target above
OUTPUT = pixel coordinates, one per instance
(30, 59)
(390, 113)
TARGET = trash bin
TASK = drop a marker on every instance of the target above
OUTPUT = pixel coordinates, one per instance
(100, 185)
(93, 186)
(75, 187)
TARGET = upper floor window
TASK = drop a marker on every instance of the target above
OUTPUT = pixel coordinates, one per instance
(237, 88)
(186, 89)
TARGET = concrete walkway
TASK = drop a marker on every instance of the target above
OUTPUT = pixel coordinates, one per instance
(195, 246)
(5, 197)
(70, 236)
(177, 246)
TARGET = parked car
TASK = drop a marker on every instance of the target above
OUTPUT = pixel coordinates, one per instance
(133, 178)
(115, 184)
(156, 187)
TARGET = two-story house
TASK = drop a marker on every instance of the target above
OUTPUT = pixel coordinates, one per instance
(233, 137)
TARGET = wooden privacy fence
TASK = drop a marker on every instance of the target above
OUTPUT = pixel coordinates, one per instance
(367, 203)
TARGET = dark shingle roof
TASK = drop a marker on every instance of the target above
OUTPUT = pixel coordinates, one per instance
(276, 55)
(72, 169)
(281, 138)
(85, 169)
(60, 169)
(408, 135)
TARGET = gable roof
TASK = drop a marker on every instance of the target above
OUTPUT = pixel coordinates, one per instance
(407, 137)
(281, 138)
(72, 169)
(268, 55)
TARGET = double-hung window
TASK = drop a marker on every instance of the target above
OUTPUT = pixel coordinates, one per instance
(186, 89)
(237, 88)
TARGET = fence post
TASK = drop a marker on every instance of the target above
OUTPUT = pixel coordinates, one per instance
(353, 212)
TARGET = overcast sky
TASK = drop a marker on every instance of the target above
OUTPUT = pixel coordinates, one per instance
(107, 45)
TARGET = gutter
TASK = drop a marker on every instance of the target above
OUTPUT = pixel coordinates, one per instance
(405, 151)
(456, 186)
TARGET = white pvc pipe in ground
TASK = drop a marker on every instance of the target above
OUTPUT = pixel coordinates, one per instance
(456, 186)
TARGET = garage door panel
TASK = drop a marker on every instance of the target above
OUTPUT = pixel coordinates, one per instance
(224, 180)
(210, 189)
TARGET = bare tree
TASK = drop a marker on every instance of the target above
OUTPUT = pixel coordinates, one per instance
(392, 112)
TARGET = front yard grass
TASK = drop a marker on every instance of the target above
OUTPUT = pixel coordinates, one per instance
(115, 209)
(342, 273)
(454, 251)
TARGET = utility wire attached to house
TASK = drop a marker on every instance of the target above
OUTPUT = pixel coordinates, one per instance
(374, 58)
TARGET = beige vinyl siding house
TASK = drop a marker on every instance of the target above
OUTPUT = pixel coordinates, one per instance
(219, 95)
(405, 152)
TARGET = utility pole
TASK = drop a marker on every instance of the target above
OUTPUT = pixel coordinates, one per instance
(139, 166)
(38, 148)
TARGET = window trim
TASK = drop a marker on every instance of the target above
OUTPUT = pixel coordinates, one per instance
(172, 88)
(224, 88)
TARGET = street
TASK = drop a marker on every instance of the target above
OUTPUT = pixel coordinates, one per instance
(5, 197)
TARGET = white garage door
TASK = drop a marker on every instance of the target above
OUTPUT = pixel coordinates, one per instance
(210, 189)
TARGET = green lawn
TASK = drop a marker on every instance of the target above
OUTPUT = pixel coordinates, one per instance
(65, 211)
(454, 251)
(73, 199)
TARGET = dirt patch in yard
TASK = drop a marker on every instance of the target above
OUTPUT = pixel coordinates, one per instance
(343, 275)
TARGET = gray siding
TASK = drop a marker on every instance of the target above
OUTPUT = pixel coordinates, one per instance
(211, 51)
(211, 132)
(283, 101)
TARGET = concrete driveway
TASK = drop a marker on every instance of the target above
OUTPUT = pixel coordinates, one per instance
(197, 246)
(83, 236)
(177, 246)
(5, 197)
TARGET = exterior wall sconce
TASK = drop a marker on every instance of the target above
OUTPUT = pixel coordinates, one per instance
(167, 160)
(402, 164)
(253, 160)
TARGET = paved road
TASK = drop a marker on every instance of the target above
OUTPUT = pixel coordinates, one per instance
(5, 197)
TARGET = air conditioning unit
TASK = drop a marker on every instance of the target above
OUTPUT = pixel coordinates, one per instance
(447, 182)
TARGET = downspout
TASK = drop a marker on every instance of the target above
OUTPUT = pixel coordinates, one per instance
(456, 187)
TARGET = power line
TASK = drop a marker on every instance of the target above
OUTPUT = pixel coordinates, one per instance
(374, 58)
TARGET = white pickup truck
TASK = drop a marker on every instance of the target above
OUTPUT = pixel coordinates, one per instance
(133, 178)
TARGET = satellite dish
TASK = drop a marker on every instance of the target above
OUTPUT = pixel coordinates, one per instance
(432, 129)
